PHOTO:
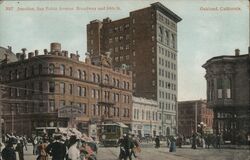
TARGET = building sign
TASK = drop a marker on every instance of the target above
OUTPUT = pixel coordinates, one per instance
(69, 112)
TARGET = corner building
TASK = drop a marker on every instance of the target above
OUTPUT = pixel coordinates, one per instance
(228, 94)
(146, 42)
(37, 87)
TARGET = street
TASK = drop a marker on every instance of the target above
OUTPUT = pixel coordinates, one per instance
(185, 153)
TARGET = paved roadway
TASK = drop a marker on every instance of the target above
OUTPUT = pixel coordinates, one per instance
(185, 153)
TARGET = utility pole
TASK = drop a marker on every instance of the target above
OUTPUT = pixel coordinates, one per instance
(1, 104)
(195, 125)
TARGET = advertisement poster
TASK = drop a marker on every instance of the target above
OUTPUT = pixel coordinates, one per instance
(137, 79)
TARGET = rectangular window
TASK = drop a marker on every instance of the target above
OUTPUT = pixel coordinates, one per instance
(79, 91)
(219, 87)
(228, 88)
(83, 91)
(51, 87)
(71, 89)
(62, 88)
(52, 105)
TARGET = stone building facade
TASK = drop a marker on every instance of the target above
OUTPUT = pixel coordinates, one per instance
(39, 86)
(192, 115)
(145, 117)
(146, 43)
(228, 94)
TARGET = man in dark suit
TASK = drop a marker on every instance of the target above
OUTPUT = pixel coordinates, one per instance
(57, 149)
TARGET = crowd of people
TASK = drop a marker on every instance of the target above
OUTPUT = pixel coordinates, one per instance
(59, 148)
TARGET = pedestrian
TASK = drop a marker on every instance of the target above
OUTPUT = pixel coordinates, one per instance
(35, 144)
(42, 155)
(25, 142)
(172, 147)
(136, 144)
(73, 152)
(56, 149)
(157, 142)
(121, 143)
(19, 149)
(218, 141)
(8, 152)
(194, 141)
(127, 146)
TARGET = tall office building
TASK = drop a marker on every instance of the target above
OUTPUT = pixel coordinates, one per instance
(146, 42)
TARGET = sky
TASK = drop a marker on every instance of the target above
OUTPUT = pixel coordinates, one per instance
(202, 34)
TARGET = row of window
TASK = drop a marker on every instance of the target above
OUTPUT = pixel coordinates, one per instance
(95, 77)
(166, 37)
(167, 74)
(72, 90)
(119, 48)
(167, 63)
(122, 58)
(166, 20)
(95, 110)
(167, 53)
(167, 85)
(223, 88)
(118, 38)
(145, 115)
(119, 28)
(167, 106)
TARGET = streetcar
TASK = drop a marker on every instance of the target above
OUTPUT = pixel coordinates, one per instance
(112, 132)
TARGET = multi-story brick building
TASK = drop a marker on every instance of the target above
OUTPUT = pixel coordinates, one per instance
(145, 120)
(192, 115)
(228, 94)
(39, 86)
(146, 42)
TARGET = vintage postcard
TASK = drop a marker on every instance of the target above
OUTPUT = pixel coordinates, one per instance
(127, 79)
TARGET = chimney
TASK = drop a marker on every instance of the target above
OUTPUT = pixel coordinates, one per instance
(18, 55)
(24, 50)
(55, 47)
(237, 52)
(66, 53)
(36, 52)
(30, 55)
(10, 48)
(45, 51)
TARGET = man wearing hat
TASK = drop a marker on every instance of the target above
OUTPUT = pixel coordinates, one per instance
(57, 149)
(8, 152)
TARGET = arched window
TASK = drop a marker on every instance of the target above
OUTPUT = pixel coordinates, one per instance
(62, 69)
(70, 71)
(98, 78)
(51, 68)
(124, 85)
(106, 79)
(93, 77)
(117, 83)
(167, 37)
(173, 41)
(84, 75)
(79, 74)
(127, 85)
(160, 35)
(114, 82)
